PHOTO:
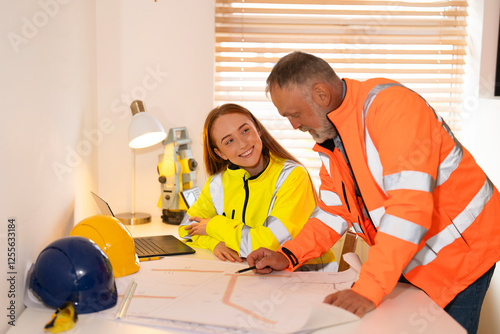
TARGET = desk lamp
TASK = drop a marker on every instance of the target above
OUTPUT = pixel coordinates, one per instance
(144, 131)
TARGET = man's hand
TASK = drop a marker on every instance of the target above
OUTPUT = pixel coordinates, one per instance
(225, 253)
(199, 228)
(266, 260)
(350, 301)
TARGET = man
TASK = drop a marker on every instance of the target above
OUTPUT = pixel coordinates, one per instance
(394, 172)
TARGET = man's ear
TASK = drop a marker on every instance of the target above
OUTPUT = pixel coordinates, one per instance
(321, 95)
(220, 154)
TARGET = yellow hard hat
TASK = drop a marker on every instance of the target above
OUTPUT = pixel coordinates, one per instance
(114, 239)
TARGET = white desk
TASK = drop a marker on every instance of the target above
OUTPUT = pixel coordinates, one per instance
(405, 310)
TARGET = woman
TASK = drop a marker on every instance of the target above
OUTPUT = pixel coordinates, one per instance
(258, 194)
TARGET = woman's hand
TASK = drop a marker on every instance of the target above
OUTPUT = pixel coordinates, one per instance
(225, 253)
(199, 228)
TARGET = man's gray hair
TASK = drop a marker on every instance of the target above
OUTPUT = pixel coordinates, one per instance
(299, 68)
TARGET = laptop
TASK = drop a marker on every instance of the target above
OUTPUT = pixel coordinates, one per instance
(154, 246)
(190, 196)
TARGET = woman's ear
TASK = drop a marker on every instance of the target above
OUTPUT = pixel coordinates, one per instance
(220, 154)
(321, 95)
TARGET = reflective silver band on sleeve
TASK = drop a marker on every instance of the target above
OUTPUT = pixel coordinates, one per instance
(330, 198)
(246, 241)
(278, 229)
(326, 162)
(372, 94)
(474, 208)
(357, 228)
(449, 164)
(334, 222)
(373, 160)
(287, 169)
(452, 161)
(217, 193)
(409, 180)
(376, 215)
(372, 156)
(453, 231)
(185, 222)
(402, 229)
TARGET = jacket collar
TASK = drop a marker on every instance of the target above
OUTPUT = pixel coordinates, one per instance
(235, 169)
(344, 111)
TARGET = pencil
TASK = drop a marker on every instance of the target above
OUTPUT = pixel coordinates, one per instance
(246, 269)
(143, 259)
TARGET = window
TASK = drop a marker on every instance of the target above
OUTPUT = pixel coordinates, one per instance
(420, 43)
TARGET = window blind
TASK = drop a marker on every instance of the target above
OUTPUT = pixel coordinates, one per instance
(420, 43)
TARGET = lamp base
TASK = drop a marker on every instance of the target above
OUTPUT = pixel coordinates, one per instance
(136, 218)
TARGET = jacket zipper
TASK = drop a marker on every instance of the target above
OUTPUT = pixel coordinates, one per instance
(345, 197)
(247, 194)
(340, 146)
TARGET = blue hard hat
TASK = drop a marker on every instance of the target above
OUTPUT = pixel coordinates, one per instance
(74, 269)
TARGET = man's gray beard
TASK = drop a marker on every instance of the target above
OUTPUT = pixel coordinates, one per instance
(327, 131)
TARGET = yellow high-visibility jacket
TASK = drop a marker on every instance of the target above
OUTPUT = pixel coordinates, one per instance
(260, 211)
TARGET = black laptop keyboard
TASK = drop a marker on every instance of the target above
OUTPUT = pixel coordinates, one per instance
(146, 246)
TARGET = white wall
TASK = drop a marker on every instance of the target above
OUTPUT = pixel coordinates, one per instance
(48, 95)
(487, 154)
(481, 121)
(69, 71)
(175, 41)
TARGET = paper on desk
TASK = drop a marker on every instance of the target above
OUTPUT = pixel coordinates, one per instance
(318, 316)
(354, 262)
(210, 294)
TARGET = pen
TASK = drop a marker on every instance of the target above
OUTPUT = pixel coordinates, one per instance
(142, 259)
(246, 269)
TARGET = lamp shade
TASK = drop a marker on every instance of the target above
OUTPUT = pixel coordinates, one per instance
(145, 130)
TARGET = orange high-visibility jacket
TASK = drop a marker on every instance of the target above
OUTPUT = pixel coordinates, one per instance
(425, 207)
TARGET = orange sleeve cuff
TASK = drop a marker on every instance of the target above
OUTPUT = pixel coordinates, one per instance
(369, 289)
(291, 258)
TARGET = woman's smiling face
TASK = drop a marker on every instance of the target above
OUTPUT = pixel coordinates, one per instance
(238, 140)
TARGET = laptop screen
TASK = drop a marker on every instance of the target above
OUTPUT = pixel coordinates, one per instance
(190, 196)
(151, 246)
(102, 205)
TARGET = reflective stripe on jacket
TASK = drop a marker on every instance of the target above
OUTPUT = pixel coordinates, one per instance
(424, 205)
(251, 212)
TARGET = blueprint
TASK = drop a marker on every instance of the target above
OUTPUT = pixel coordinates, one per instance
(208, 296)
